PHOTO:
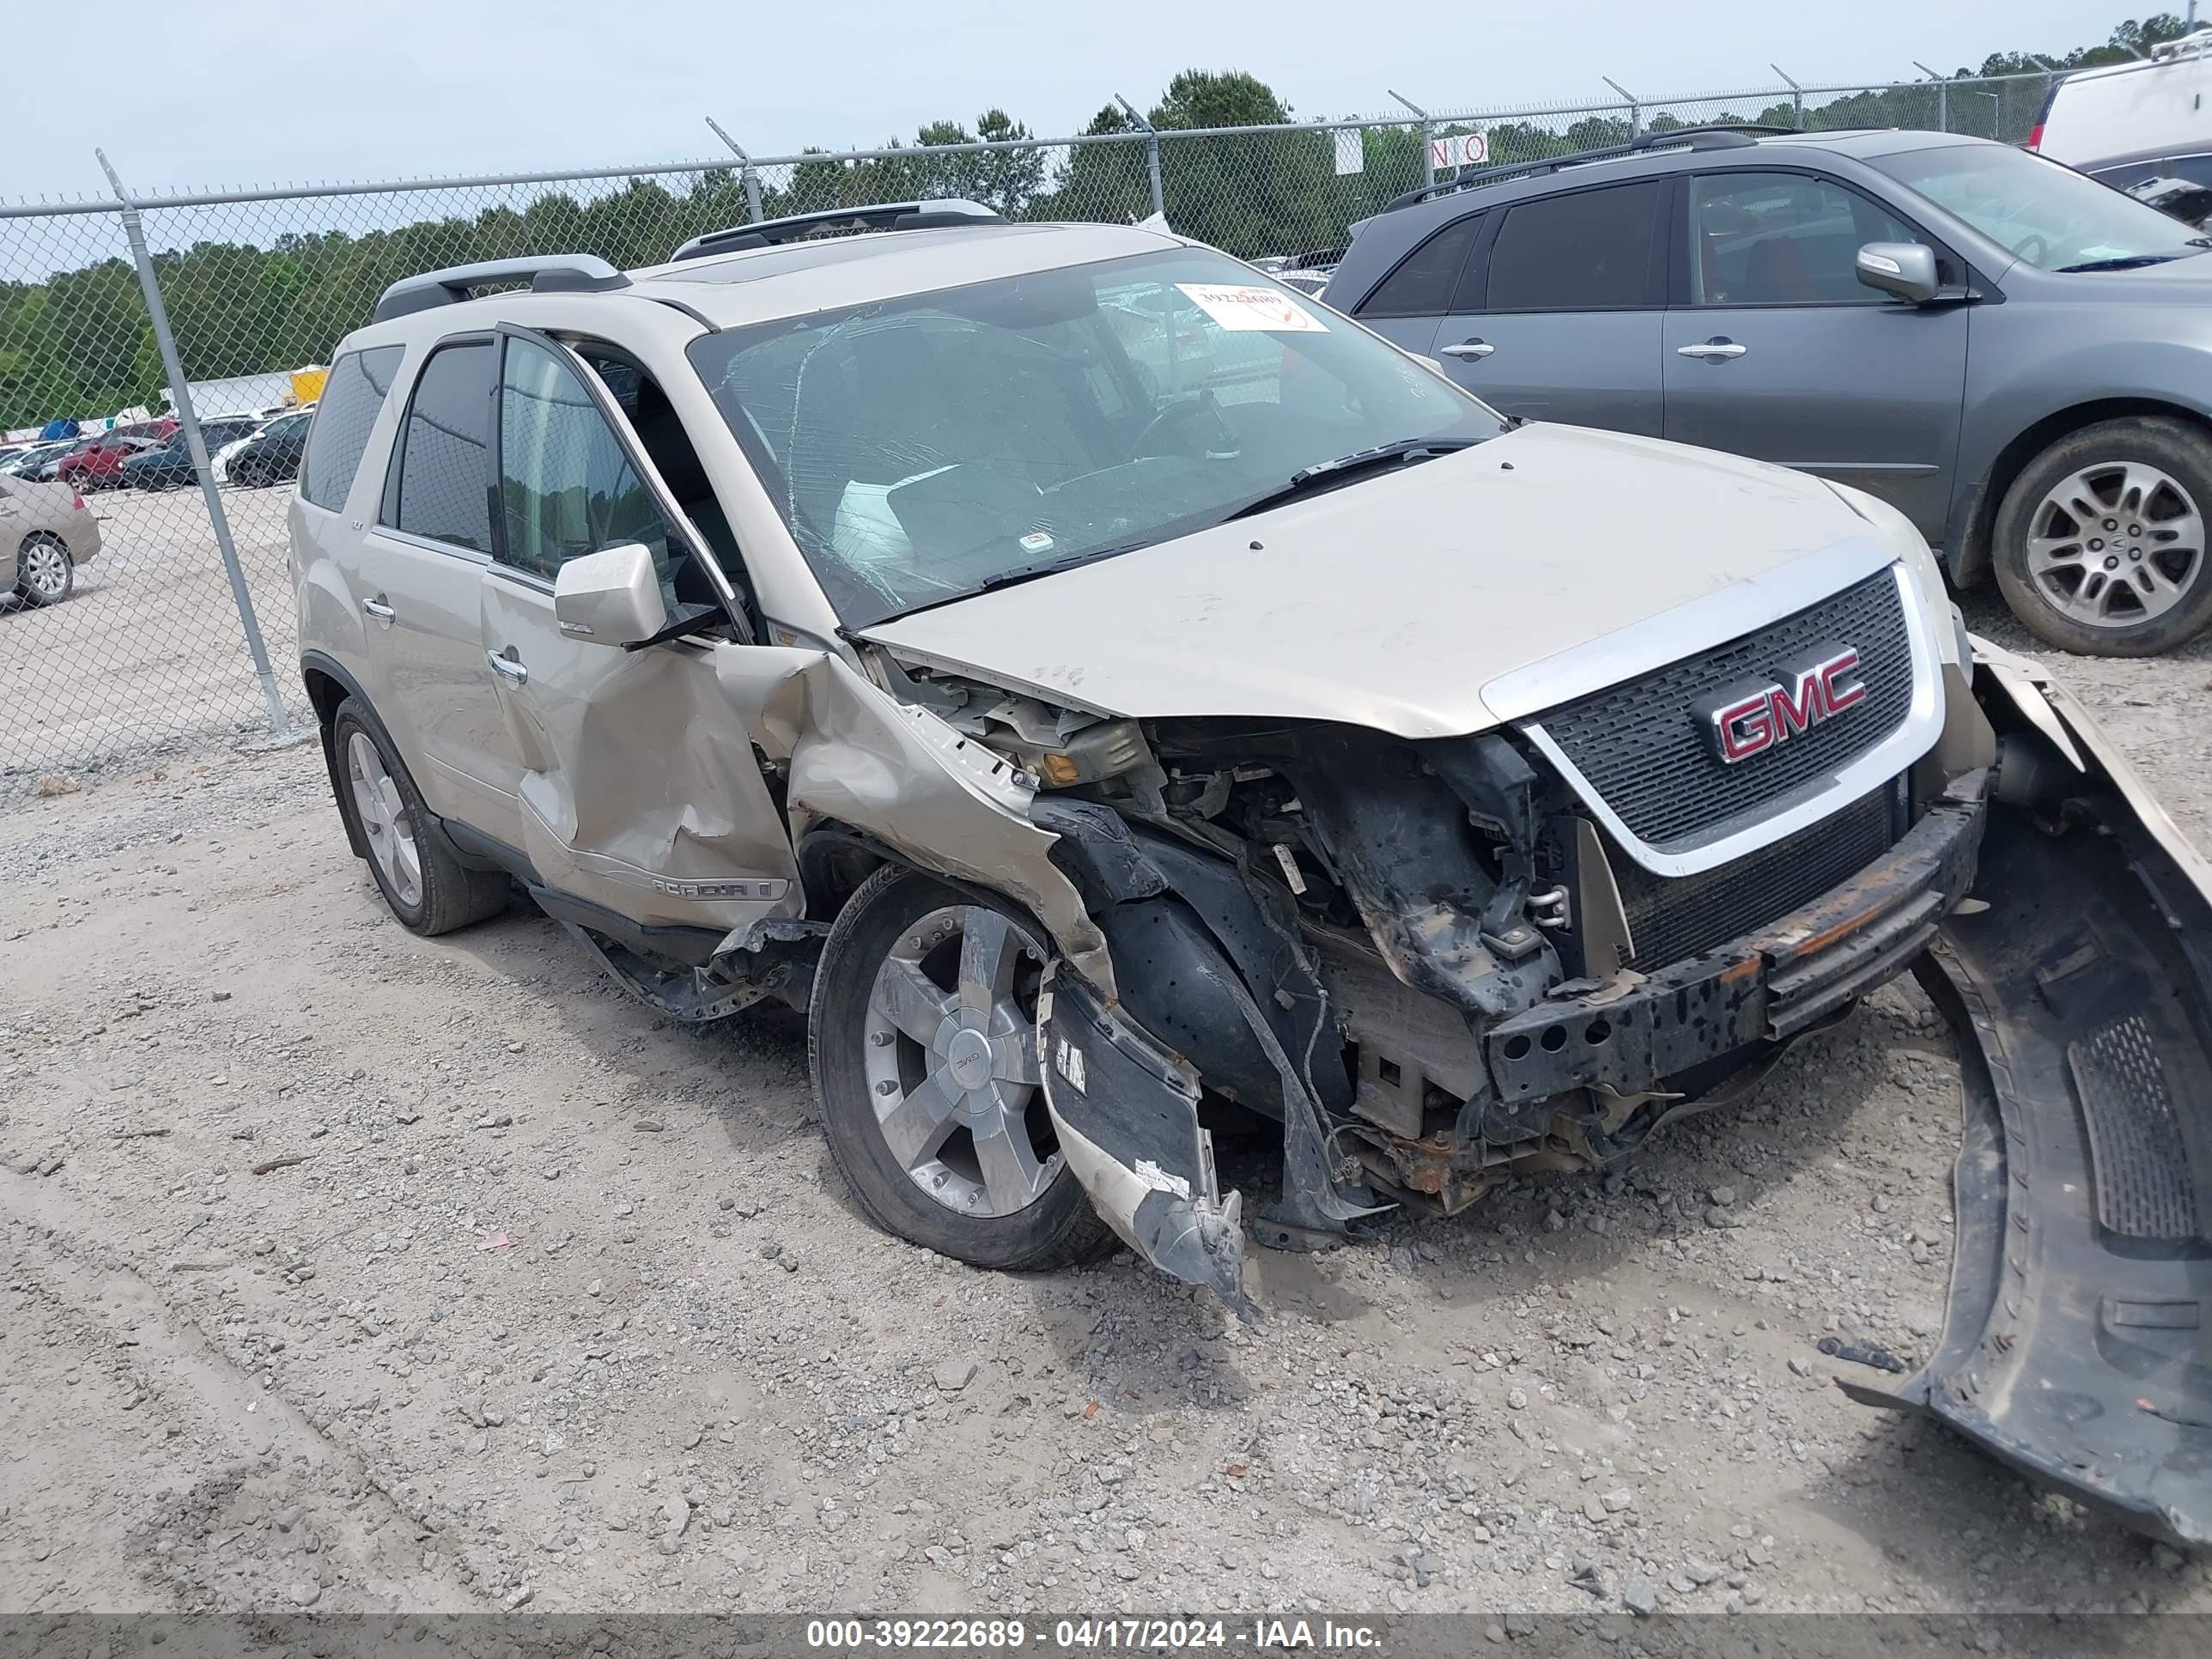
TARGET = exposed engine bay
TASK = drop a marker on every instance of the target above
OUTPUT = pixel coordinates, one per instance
(1433, 967)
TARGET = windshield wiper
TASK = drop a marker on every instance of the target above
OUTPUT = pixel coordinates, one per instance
(2124, 262)
(1345, 466)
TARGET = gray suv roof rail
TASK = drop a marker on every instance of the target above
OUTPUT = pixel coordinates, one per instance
(546, 273)
(1732, 135)
(885, 215)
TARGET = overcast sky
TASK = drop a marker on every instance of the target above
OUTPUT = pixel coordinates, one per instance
(222, 92)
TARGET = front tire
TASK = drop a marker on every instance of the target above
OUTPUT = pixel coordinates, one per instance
(45, 573)
(921, 1037)
(2101, 542)
(429, 890)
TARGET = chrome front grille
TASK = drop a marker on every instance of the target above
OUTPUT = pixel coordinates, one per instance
(1642, 753)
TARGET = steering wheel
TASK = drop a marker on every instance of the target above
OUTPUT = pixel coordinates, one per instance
(1198, 402)
(2042, 249)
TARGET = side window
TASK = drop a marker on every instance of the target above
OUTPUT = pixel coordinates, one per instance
(1422, 284)
(443, 461)
(1590, 250)
(565, 485)
(352, 398)
(1777, 239)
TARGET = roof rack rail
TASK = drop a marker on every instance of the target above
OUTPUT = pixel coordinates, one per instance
(546, 273)
(2195, 41)
(794, 227)
(1730, 135)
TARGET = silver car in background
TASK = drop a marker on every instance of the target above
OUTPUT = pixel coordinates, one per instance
(45, 532)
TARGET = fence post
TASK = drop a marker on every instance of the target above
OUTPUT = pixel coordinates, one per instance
(1635, 109)
(1428, 156)
(745, 172)
(1796, 98)
(1151, 154)
(1942, 95)
(280, 722)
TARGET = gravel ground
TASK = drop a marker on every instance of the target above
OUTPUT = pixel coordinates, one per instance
(358, 1271)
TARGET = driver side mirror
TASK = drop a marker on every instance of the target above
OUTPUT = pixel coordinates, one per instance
(1906, 270)
(610, 597)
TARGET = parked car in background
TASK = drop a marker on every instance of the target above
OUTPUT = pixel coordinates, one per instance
(98, 464)
(169, 465)
(2129, 123)
(1809, 299)
(271, 455)
(27, 460)
(45, 532)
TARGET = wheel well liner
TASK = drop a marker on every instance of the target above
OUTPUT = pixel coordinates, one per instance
(328, 685)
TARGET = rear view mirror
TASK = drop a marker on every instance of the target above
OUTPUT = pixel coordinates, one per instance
(1904, 269)
(610, 597)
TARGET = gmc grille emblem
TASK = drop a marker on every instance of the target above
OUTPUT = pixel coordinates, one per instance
(1750, 718)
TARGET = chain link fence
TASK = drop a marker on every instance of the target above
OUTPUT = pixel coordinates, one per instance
(179, 629)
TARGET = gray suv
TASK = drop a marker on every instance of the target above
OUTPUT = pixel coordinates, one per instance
(2016, 357)
(1134, 709)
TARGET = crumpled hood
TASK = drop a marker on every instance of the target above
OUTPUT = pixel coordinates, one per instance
(1391, 603)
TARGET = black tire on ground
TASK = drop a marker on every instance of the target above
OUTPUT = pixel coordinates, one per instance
(43, 541)
(1059, 1230)
(453, 896)
(2176, 447)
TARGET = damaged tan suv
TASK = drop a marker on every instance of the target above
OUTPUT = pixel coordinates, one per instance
(1131, 707)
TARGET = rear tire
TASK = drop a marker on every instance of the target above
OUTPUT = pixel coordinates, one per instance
(429, 890)
(45, 573)
(2101, 542)
(902, 923)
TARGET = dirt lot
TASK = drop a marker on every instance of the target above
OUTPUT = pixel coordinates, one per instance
(349, 1270)
(148, 657)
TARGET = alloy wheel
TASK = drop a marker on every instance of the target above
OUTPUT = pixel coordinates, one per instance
(385, 820)
(44, 570)
(952, 1062)
(2116, 544)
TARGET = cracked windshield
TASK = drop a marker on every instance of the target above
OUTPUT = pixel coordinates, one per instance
(936, 446)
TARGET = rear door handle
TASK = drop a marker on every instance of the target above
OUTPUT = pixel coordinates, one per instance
(378, 609)
(1718, 350)
(1468, 349)
(508, 668)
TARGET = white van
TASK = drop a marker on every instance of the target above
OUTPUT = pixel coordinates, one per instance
(2128, 122)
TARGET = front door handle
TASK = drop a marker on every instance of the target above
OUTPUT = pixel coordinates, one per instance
(1468, 349)
(509, 668)
(1718, 350)
(378, 609)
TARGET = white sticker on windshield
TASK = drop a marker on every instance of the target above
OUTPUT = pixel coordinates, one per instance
(1241, 310)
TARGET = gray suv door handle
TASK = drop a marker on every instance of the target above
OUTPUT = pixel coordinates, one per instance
(378, 609)
(509, 667)
(1468, 349)
(1718, 350)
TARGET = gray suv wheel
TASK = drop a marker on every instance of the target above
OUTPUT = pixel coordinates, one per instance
(2101, 541)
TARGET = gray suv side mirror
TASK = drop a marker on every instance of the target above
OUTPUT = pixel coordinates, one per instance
(610, 597)
(1904, 269)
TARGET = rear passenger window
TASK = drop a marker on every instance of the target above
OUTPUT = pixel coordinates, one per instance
(1587, 252)
(1422, 284)
(443, 455)
(352, 398)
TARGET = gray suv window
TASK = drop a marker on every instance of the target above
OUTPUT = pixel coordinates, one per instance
(1422, 284)
(1589, 251)
(1772, 238)
(443, 462)
(352, 398)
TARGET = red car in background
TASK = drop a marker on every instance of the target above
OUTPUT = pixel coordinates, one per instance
(98, 463)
